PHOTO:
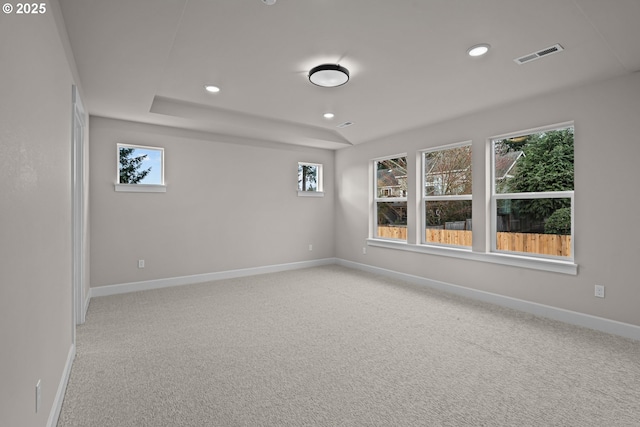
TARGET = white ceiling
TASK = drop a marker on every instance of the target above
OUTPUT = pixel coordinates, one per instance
(148, 60)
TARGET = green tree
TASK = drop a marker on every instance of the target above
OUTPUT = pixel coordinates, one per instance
(130, 166)
(547, 165)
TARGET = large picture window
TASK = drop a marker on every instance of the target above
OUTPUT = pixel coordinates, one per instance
(446, 195)
(532, 198)
(391, 198)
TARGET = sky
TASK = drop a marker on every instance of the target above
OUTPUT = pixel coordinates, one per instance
(154, 159)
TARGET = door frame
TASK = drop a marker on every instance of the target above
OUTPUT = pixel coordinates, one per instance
(78, 209)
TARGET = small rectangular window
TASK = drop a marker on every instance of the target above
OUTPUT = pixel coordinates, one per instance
(310, 179)
(532, 197)
(140, 167)
(447, 195)
(391, 198)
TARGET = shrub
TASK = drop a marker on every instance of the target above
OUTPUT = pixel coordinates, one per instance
(559, 222)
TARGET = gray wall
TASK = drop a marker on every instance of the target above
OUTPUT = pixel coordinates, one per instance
(36, 79)
(232, 206)
(227, 206)
(607, 235)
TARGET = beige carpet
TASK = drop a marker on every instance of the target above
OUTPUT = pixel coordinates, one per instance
(331, 346)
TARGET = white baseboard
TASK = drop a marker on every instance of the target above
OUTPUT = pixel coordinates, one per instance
(100, 291)
(579, 319)
(62, 387)
(575, 318)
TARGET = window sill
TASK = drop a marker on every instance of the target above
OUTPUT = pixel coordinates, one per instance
(556, 266)
(310, 194)
(141, 188)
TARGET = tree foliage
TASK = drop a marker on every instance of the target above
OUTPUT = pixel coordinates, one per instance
(559, 222)
(547, 165)
(130, 166)
(440, 212)
(307, 177)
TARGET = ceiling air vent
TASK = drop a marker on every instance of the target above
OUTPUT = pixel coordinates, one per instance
(537, 55)
(344, 125)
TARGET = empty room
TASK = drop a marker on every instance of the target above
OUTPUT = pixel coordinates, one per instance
(319, 213)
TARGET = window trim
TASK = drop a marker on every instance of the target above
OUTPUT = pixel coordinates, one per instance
(529, 196)
(451, 197)
(462, 252)
(139, 188)
(494, 197)
(482, 252)
(319, 191)
(373, 229)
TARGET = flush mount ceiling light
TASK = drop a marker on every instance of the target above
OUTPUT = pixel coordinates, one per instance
(329, 115)
(329, 75)
(478, 50)
(212, 88)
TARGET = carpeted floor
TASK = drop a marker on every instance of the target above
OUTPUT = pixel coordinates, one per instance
(330, 346)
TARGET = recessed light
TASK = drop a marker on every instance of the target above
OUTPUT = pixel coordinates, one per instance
(478, 50)
(212, 88)
(329, 115)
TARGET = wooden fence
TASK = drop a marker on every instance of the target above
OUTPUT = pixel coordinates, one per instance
(543, 244)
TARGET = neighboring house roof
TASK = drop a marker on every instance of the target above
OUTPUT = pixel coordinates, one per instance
(504, 163)
(387, 178)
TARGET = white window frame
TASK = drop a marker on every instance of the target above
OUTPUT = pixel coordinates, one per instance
(481, 250)
(374, 190)
(140, 188)
(425, 198)
(319, 191)
(526, 196)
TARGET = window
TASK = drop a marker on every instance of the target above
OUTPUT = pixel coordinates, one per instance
(391, 198)
(527, 220)
(446, 196)
(140, 168)
(532, 193)
(310, 179)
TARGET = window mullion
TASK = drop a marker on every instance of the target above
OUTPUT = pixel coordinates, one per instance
(537, 195)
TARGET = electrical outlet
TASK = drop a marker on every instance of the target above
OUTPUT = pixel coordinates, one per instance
(310, 247)
(364, 250)
(599, 291)
(140, 263)
(38, 396)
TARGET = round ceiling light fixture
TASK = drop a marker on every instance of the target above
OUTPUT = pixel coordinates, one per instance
(478, 50)
(329, 75)
(328, 115)
(211, 88)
